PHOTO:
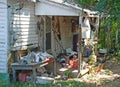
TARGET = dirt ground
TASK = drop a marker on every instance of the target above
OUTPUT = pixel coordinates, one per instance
(115, 68)
(109, 76)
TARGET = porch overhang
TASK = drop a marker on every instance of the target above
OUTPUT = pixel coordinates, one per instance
(52, 8)
(45, 7)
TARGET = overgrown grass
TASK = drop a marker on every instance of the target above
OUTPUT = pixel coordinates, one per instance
(73, 84)
(4, 80)
(115, 58)
(29, 84)
(60, 83)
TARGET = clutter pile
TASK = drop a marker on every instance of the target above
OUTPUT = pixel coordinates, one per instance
(35, 57)
(69, 60)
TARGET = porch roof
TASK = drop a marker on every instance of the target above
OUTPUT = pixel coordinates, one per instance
(48, 7)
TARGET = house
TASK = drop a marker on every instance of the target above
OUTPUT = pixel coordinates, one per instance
(50, 25)
(70, 19)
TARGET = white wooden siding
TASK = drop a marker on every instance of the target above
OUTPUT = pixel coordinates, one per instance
(23, 26)
(3, 36)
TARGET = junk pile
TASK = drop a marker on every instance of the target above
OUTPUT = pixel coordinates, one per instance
(43, 76)
(68, 60)
(35, 57)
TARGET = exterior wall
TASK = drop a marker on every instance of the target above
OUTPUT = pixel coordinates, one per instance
(3, 36)
(66, 32)
(22, 25)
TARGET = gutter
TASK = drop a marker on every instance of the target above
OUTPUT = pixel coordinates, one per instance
(33, 0)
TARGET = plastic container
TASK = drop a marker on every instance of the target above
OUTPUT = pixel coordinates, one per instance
(44, 80)
(22, 77)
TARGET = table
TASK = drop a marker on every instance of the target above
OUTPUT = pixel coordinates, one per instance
(31, 66)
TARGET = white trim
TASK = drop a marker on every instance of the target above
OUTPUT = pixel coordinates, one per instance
(61, 5)
(32, 0)
(53, 9)
(64, 6)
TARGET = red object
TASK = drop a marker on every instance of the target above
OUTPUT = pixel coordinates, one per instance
(73, 63)
(49, 60)
(70, 62)
(22, 77)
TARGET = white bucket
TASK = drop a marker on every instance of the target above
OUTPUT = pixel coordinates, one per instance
(44, 80)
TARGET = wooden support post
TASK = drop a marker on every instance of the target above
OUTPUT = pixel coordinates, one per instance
(39, 32)
(52, 37)
(116, 38)
(44, 35)
(108, 40)
(53, 45)
(96, 37)
(80, 46)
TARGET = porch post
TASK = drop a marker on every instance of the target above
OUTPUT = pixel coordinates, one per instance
(96, 38)
(80, 45)
(52, 37)
(53, 44)
(44, 35)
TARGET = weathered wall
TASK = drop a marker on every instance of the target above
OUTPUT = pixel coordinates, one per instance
(22, 25)
(3, 36)
(66, 32)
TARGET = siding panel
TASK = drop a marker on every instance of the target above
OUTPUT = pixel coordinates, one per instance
(23, 26)
(3, 36)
